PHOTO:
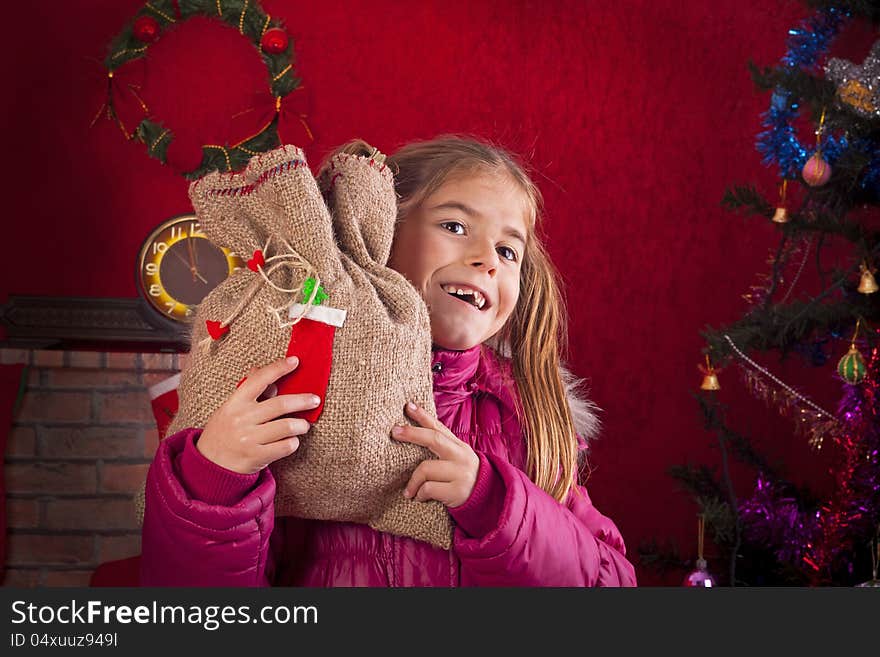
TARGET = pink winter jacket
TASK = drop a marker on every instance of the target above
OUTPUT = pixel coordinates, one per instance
(207, 526)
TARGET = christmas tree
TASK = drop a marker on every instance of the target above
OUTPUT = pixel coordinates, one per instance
(776, 533)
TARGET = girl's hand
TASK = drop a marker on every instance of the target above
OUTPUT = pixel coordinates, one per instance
(450, 477)
(246, 434)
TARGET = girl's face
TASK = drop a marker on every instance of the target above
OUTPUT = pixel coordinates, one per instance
(462, 248)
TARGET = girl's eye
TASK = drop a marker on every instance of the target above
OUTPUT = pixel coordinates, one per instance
(507, 253)
(454, 225)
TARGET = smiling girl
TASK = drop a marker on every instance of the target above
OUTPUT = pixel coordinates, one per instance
(508, 436)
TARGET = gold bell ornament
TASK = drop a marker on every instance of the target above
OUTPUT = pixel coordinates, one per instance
(710, 376)
(781, 215)
(868, 284)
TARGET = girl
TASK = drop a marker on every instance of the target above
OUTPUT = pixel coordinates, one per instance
(506, 439)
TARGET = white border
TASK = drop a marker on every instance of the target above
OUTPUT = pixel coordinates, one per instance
(325, 314)
(169, 384)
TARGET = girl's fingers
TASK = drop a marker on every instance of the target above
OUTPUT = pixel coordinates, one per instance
(270, 392)
(278, 450)
(269, 409)
(435, 490)
(279, 429)
(421, 416)
(430, 470)
(258, 380)
(438, 443)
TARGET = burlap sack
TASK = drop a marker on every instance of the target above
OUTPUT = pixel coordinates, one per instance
(347, 468)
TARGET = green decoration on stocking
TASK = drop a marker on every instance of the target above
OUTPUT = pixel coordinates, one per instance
(308, 288)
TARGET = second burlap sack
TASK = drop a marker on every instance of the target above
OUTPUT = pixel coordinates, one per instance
(347, 468)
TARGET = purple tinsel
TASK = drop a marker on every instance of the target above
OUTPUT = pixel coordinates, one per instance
(854, 512)
(772, 519)
(824, 539)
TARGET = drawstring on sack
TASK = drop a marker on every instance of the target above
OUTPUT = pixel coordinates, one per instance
(291, 259)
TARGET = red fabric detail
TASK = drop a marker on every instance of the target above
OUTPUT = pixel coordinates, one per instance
(122, 572)
(10, 380)
(249, 189)
(125, 91)
(261, 110)
(293, 127)
(126, 572)
(243, 379)
(164, 409)
(333, 181)
(184, 154)
(312, 343)
(257, 261)
(215, 330)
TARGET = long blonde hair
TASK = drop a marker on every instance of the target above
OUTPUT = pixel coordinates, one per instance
(535, 335)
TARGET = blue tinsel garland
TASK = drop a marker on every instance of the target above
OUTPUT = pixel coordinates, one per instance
(779, 144)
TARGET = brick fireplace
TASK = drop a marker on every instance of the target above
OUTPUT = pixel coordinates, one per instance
(79, 449)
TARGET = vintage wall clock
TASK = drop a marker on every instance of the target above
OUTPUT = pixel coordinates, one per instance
(178, 265)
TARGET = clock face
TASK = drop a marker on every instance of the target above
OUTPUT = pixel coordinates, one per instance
(178, 265)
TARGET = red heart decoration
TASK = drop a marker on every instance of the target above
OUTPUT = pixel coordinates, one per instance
(256, 261)
(215, 330)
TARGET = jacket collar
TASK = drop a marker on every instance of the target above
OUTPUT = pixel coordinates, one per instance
(452, 370)
(459, 374)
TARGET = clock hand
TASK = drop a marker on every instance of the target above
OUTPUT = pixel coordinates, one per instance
(182, 259)
(191, 268)
(192, 258)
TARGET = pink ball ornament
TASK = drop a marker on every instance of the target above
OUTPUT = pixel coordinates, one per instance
(816, 171)
(700, 578)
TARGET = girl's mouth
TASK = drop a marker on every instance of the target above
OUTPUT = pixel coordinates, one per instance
(468, 295)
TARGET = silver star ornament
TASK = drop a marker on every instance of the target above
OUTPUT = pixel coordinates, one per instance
(858, 86)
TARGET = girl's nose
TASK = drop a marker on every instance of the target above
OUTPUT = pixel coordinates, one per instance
(484, 257)
(488, 265)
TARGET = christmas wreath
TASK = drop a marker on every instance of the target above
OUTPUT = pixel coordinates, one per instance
(126, 107)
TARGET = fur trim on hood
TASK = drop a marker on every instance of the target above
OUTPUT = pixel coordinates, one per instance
(584, 412)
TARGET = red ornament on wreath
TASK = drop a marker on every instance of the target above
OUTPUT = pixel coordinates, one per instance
(274, 41)
(146, 29)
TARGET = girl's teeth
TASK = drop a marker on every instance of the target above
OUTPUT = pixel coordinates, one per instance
(479, 300)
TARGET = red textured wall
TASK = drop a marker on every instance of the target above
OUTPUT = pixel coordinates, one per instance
(636, 115)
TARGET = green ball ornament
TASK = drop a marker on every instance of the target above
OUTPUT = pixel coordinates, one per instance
(851, 367)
